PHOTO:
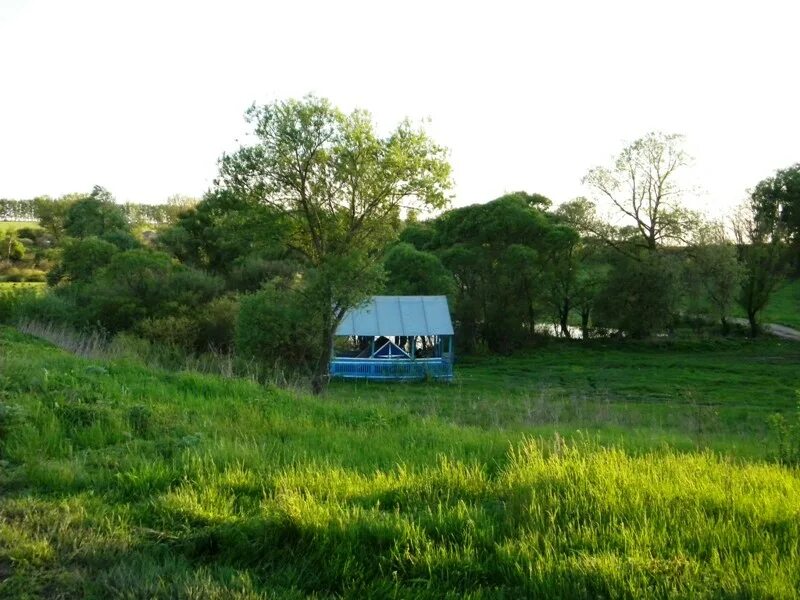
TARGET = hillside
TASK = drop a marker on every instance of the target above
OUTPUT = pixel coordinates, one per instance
(119, 481)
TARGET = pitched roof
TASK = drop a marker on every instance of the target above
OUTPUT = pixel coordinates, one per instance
(398, 315)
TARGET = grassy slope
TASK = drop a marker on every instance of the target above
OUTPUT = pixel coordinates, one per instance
(120, 481)
(784, 308)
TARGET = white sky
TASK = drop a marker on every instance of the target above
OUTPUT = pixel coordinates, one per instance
(142, 97)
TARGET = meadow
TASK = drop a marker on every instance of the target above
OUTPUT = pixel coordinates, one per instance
(121, 480)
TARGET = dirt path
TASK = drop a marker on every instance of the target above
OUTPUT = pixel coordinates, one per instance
(781, 331)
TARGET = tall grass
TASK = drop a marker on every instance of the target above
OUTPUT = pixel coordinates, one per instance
(122, 481)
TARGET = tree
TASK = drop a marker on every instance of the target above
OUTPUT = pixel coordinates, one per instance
(715, 272)
(640, 295)
(341, 187)
(52, 213)
(643, 184)
(224, 231)
(13, 249)
(95, 215)
(81, 258)
(763, 256)
(492, 250)
(412, 272)
(776, 205)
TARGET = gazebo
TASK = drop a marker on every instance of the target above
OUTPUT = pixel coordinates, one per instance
(395, 338)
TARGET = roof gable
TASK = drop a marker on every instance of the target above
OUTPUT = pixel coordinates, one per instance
(398, 315)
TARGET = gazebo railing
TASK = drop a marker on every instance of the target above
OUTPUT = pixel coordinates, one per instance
(391, 368)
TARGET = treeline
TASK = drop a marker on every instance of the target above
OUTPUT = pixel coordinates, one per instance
(322, 213)
(136, 214)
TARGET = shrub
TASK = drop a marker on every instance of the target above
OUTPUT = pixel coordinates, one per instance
(275, 325)
(82, 257)
(217, 324)
(46, 308)
(141, 284)
(172, 330)
(12, 248)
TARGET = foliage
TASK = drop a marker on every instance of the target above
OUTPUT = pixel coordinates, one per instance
(95, 215)
(81, 258)
(223, 229)
(644, 186)
(776, 203)
(640, 296)
(140, 284)
(763, 257)
(715, 273)
(12, 247)
(787, 430)
(275, 325)
(412, 272)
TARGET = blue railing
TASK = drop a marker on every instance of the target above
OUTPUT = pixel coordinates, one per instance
(391, 368)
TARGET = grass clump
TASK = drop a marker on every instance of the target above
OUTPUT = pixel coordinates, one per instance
(124, 481)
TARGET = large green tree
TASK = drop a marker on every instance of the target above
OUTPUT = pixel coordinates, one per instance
(776, 207)
(341, 186)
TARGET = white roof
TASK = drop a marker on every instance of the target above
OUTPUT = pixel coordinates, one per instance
(398, 315)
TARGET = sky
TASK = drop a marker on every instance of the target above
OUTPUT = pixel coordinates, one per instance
(142, 97)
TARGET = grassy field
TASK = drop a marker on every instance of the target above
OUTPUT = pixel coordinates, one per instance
(121, 481)
(21, 285)
(716, 394)
(15, 225)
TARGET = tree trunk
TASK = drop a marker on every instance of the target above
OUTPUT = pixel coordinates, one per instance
(585, 323)
(321, 376)
(726, 327)
(564, 319)
(751, 317)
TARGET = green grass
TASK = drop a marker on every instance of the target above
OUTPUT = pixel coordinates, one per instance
(121, 481)
(715, 394)
(784, 307)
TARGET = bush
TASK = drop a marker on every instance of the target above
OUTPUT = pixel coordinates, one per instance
(275, 325)
(46, 308)
(82, 257)
(12, 248)
(179, 331)
(217, 324)
(141, 284)
(250, 274)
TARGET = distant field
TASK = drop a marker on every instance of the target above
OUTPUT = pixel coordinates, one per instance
(13, 285)
(14, 225)
(122, 481)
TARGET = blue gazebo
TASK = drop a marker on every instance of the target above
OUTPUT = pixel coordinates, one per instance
(395, 338)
